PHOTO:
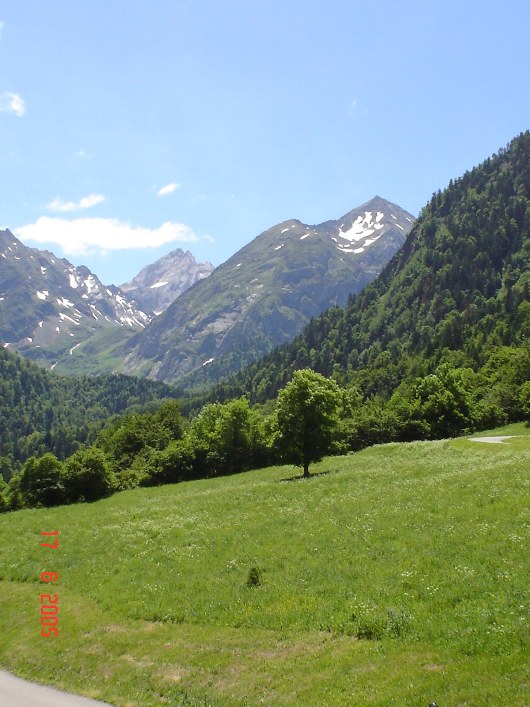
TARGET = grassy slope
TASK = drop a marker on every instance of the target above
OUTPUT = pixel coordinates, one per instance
(425, 544)
(97, 353)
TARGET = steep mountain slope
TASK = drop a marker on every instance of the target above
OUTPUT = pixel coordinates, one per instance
(50, 309)
(158, 285)
(266, 292)
(457, 289)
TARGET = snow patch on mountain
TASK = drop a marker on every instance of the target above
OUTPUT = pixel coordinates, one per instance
(91, 284)
(363, 226)
(64, 316)
(65, 302)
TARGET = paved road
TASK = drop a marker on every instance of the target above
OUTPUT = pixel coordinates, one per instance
(15, 692)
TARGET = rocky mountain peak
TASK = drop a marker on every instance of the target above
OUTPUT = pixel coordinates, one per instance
(157, 285)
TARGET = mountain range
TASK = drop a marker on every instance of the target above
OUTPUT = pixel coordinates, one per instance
(180, 317)
(64, 317)
(267, 292)
(438, 341)
(49, 307)
(457, 292)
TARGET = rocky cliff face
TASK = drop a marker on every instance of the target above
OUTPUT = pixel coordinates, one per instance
(158, 285)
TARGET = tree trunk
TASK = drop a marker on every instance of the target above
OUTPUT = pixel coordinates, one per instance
(306, 469)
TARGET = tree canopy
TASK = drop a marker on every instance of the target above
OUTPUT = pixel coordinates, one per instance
(307, 417)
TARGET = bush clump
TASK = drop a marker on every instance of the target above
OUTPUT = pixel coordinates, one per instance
(255, 576)
(370, 623)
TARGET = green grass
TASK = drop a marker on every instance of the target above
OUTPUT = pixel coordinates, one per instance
(395, 576)
(518, 429)
(98, 354)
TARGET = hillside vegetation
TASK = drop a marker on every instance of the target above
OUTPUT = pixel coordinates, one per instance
(392, 576)
(42, 412)
(313, 416)
(458, 290)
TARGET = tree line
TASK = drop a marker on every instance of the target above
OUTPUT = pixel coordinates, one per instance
(313, 416)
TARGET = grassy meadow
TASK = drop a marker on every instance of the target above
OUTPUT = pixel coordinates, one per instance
(395, 576)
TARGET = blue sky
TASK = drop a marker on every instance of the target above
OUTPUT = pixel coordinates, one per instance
(129, 128)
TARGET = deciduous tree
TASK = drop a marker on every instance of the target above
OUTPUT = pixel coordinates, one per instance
(307, 417)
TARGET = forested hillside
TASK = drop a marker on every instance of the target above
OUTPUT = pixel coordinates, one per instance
(41, 411)
(456, 292)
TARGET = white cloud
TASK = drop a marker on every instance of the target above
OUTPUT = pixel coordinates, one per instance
(168, 189)
(12, 103)
(85, 203)
(86, 235)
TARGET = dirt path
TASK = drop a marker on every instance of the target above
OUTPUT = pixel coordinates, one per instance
(15, 692)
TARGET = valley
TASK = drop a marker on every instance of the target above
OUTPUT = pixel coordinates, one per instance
(265, 354)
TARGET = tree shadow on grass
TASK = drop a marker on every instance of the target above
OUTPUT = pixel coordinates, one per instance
(301, 477)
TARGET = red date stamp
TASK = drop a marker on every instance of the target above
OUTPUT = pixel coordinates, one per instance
(49, 603)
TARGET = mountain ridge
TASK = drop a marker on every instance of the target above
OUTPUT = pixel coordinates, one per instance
(63, 316)
(49, 307)
(265, 292)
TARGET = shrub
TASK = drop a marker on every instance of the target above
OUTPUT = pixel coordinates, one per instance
(370, 623)
(88, 476)
(254, 578)
(170, 465)
(41, 481)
